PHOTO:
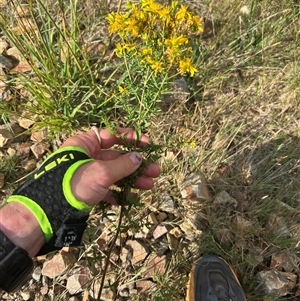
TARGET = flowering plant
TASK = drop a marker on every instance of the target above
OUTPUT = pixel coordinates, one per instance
(159, 36)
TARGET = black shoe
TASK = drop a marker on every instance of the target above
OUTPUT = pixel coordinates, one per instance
(212, 279)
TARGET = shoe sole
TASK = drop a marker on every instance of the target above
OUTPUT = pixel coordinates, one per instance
(190, 287)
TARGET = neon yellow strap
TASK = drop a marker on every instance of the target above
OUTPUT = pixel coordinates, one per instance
(64, 149)
(37, 211)
(66, 184)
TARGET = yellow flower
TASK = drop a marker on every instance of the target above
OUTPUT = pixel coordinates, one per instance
(198, 23)
(193, 144)
(123, 91)
(181, 13)
(155, 65)
(132, 28)
(185, 66)
(146, 51)
(119, 50)
(116, 22)
(176, 41)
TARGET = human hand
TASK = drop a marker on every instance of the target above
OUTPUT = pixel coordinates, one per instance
(90, 183)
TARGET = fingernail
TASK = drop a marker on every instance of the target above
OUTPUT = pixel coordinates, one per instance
(136, 158)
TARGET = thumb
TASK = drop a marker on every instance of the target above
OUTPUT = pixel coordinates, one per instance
(124, 166)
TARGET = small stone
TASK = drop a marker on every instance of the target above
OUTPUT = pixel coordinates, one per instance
(224, 199)
(167, 204)
(189, 230)
(24, 148)
(6, 63)
(25, 122)
(195, 187)
(279, 226)
(152, 218)
(38, 136)
(58, 264)
(30, 165)
(275, 282)
(161, 216)
(74, 298)
(38, 150)
(6, 137)
(2, 177)
(3, 45)
(11, 151)
(37, 273)
(22, 67)
(176, 232)
(284, 261)
(143, 286)
(44, 290)
(159, 231)
(26, 295)
(78, 282)
(124, 293)
(133, 251)
(172, 241)
(155, 265)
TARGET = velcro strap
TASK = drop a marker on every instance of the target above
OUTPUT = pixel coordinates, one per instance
(50, 188)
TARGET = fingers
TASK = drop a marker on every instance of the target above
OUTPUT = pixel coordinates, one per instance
(127, 135)
(90, 143)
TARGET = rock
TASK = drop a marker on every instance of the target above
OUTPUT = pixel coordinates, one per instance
(143, 286)
(224, 199)
(24, 149)
(38, 150)
(3, 44)
(2, 177)
(154, 265)
(103, 240)
(58, 264)
(74, 298)
(44, 290)
(284, 261)
(22, 67)
(167, 204)
(37, 273)
(30, 165)
(6, 137)
(190, 232)
(161, 216)
(172, 241)
(195, 187)
(133, 251)
(275, 282)
(11, 152)
(159, 231)
(176, 232)
(78, 281)
(180, 93)
(279, 226)
(6, 62)
(152, 219)
(124, 292)
(26, 295)
(26, 123)
(39, 136)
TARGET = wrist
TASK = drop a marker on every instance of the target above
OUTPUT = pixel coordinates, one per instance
(20, 225)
